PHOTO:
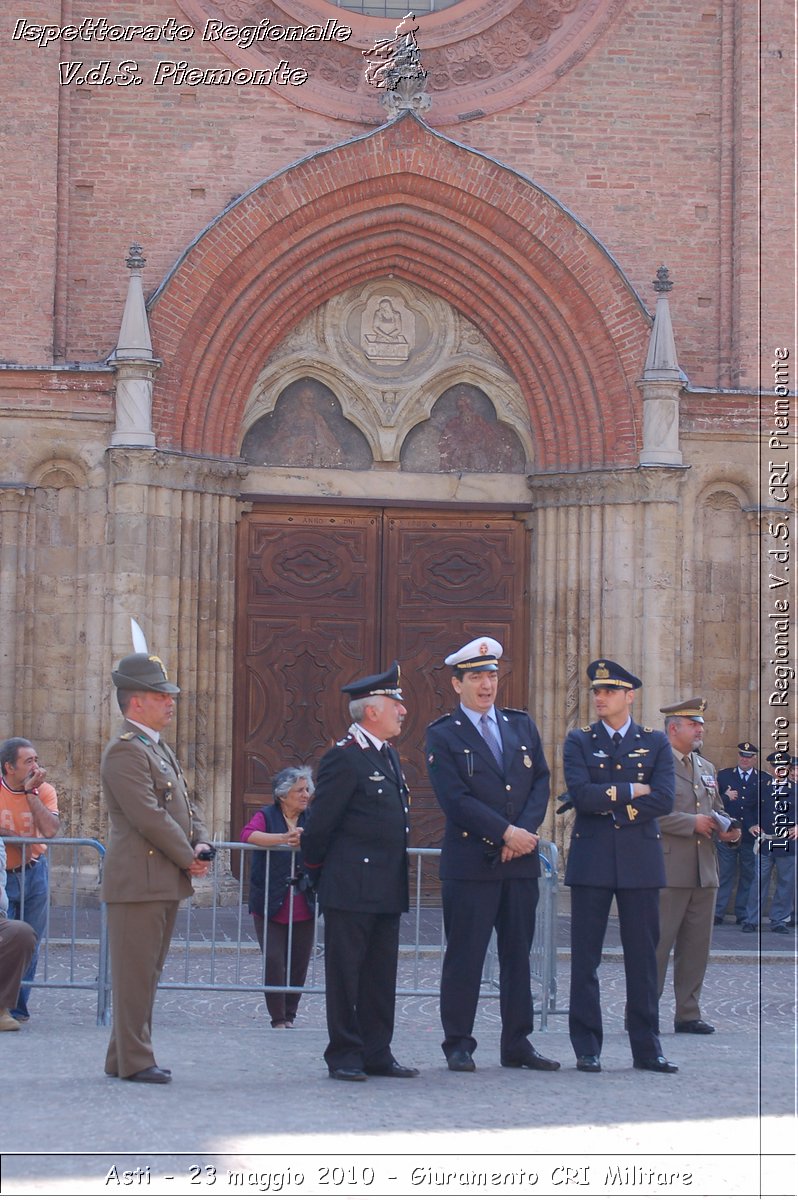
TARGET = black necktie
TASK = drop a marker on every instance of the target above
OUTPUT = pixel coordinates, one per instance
(616, 737)
(386, 754)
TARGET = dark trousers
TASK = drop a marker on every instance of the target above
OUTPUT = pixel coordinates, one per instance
(472, 909)
(638, 915)
(732, 859)
(282, 1006)
(360, 956)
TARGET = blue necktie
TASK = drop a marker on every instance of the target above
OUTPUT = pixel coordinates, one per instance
(491, 739)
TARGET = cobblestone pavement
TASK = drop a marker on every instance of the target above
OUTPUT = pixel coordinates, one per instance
(247, 1099)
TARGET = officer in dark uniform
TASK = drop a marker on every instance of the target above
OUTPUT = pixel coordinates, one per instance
(740, 789)
(491, 779)
(620, 778)
(355, 843)
(776, 833)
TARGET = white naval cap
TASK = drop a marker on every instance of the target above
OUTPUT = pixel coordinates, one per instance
(482, 654)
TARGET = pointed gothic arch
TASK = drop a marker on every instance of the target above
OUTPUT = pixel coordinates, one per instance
(407, 201)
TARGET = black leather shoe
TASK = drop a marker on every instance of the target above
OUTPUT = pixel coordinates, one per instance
(693, 1027)
(748, 927)
(348, 1074)
(115, 1074)
(780, 928)
(460, 1060)
(718, 921)
(589, 1062)
(150, 1075)
(658, 1064)
(532, 1061)
(394, 1070)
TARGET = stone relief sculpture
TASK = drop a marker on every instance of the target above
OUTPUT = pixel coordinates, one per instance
(387, 330)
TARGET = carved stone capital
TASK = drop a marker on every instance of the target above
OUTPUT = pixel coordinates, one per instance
(633, 485)
(182, 472)
(15, 497)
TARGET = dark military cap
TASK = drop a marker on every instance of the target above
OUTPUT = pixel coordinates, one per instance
(143, 673)
(694, 709)
(386, 684)
(604, 673)
(781, 758)
(748, 749)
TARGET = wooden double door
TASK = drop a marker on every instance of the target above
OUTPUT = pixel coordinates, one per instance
(327, 595)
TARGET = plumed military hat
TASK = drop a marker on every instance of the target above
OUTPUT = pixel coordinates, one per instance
(481, 654)
(386, 684)
(694, 709)
(605, 673)
(748, 749)
(143, 673)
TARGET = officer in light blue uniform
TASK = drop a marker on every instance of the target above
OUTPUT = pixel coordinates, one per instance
(620, 778)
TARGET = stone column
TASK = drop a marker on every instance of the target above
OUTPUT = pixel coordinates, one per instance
(660, 386)
(605, 581)
(133, 362)
(172, 525)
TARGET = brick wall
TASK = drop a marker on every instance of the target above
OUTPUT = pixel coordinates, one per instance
(651, 140)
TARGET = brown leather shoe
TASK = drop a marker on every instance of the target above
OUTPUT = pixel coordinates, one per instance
(150, 1075)
(8, 1023)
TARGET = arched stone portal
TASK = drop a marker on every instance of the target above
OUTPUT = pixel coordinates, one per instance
(392, 278)
(408, 203)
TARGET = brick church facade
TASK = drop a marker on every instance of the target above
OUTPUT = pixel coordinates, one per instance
(305, 381)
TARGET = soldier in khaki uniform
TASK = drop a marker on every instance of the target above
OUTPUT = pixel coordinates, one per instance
(156, 838)
(687, 902)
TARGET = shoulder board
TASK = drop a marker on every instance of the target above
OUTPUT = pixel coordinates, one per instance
(440, 720)
(134, 736)
(347, 740)
(647, 729)
(586, 729)
(517, 712)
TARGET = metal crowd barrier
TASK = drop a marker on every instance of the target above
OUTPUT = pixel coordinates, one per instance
(233, 962)
(73, 949)
(214, 947)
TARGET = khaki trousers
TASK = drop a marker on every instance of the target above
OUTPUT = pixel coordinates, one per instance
(138, 938)
(685, 922)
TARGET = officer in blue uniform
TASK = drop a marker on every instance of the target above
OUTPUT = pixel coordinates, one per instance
(355, 843)
(620, 778)
(776, 833)
(491, 779)
(740, 790)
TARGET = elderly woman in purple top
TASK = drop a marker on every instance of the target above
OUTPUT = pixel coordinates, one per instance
(280, 900)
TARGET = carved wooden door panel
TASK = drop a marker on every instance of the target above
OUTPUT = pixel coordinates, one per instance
(308, 592)
(328, 595)
(449, 578)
